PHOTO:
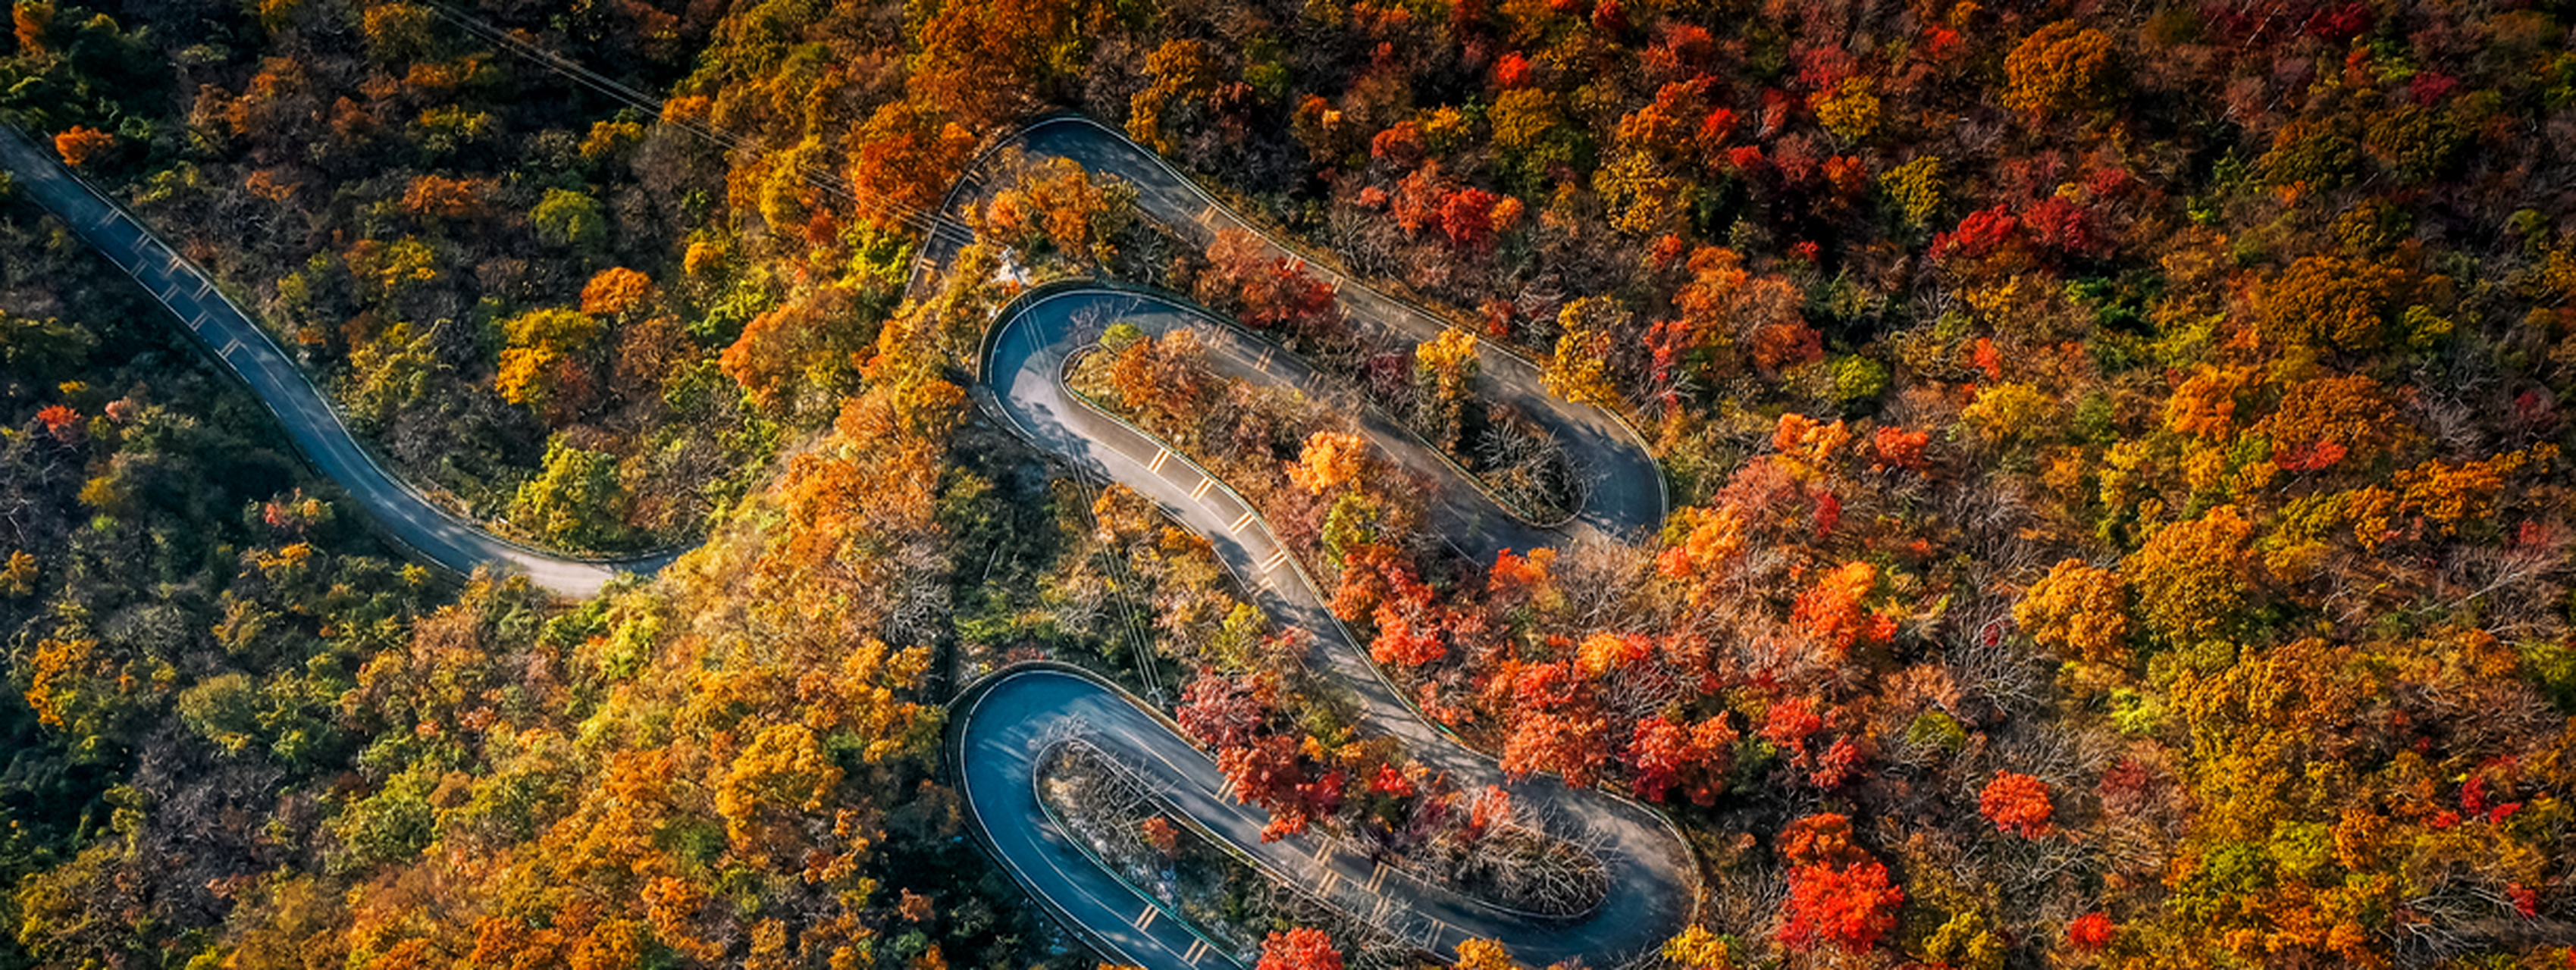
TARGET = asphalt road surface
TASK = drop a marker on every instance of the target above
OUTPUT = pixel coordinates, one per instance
(308, 417)
(1003, 731)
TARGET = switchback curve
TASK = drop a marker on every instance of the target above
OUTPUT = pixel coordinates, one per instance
(997, 742)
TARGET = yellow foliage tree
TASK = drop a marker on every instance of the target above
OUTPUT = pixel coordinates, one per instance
(2079, 611)
(615, 292)
(2191, 577)
(1579, 371)
(1331, 461)
(537, 341)
(2057, 69)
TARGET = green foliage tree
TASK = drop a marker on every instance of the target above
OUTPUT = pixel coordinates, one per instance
(577, 501)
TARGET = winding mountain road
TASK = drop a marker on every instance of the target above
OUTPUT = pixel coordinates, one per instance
(1005, 723)
(308, 417)
(1008, 719)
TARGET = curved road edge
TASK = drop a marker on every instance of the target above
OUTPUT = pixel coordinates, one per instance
(1654, 881)
(226, 332)
(1600, 440)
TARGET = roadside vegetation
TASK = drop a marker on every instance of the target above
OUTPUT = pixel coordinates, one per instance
(2118, 456)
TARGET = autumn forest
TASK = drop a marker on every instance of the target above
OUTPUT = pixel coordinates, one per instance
(1938, 483)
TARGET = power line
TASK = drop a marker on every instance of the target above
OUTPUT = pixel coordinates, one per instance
(932, 225)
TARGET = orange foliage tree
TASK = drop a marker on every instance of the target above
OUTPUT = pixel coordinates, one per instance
(1300, 948)
(81, 144)
(1834, 614)
(2080, 611)
(2017, 803)
(1848, 907)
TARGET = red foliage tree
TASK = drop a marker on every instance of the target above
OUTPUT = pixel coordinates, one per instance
(2017, 803)
(1391, 782)
(1665, 754)
(1267, 773)
(1849, 907)
(1571, 747)
(1299, 949)
(1980, 234)
(1467, 218)
(1898, 448)
(61, 422)
(1789, 722)
(1224, 712)
(2091, 931)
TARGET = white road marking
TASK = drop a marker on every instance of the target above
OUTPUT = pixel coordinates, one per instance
(1273, 562)
(1377, 877)
(1240, 523)
(227, 352)
(1161, 455)
(1147, 919)
(1202, 489)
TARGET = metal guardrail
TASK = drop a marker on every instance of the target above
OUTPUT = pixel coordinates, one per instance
(1021, 305)
(1330, 266)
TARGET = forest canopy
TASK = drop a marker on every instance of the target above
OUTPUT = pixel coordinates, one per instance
(2119, 500)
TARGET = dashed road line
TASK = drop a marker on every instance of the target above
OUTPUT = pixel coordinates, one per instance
(1273, 562)
(1377, 877)
(1202, 489)
(1147, 918)
(1161, 455)
(1198, 948)
(1240, 523)
(227, 352)
(1330, 877)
